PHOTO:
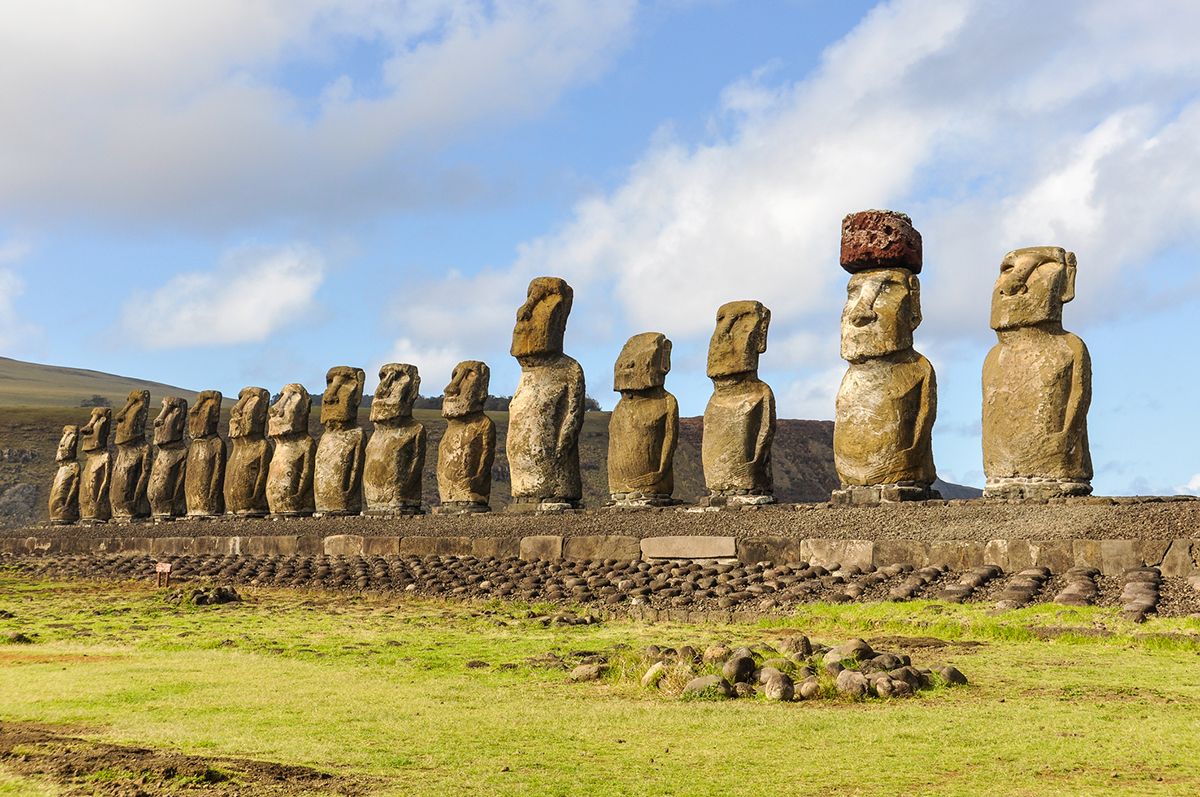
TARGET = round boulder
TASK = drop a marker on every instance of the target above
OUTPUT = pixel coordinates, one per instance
(708, 686)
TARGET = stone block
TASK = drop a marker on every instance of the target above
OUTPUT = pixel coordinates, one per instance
(1152, 552)
(995, 552)
(124, 545)
(273, 545)
(1178, 560)
(1118, 556)
(779, 550)
(602, 546)
(1088, 554)
(542, 546)
(901, 552)
(343, 545)
(309, 545)
(956, 554)
(689, 547)
(1058, 555)
(381, 546)
(170, 546)
(498, 547)
(435, 546)
(847, 553)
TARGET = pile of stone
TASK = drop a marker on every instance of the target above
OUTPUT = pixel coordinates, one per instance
(1140, 595)
(210, 596)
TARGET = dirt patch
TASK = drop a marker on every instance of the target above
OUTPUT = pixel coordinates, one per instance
(53, 658)
(78, 765)
(921, 642)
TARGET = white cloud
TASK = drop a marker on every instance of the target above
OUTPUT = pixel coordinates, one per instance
(435, 364)
(137, 109)
(1191, 488)
(13, 328)
(252, 293)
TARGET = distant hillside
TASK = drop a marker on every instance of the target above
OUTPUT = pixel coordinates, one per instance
(25, 384)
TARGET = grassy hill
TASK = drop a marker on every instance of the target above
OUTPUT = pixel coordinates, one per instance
(25, 384)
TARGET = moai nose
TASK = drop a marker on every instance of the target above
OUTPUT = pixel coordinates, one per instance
(862, 314)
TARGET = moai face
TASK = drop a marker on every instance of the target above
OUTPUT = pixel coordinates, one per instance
(205, 414)
(289, 415)
(398, 387)
(740, 336)
(171, 420)
(643, 363)
(468, 389)
(95, 432)
(68, 445)
(883, 307)
(343, 394)
(542, 320)
(1033, 286)
(248, 418)
(131, 420)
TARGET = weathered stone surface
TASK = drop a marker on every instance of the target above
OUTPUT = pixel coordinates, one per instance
(380, 546)
(852, 684)
(847, 553)
(337, 475)
(395, 454)
(1178, 560)
(956, 554)
(131, 467)
(875, 239)
(739, 421)
(1118, 556)
(887, 402)
(64, 492)
(644, 427)
(602, 546)
(96, 478)
(468, 448)
(1087, 553)
(689, 547)
(1037, 382)
(249, 455)
(547, 546)
(343, 545)
(290, 475)
(900, 552)
(435, 546)
(708, 686)
(169, 466)
(204, 481)
(1057, 555)
(274, 545)
(780, 550)
(545, 415)
(497, 547)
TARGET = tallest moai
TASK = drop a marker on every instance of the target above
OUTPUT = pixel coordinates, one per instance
(887, 403)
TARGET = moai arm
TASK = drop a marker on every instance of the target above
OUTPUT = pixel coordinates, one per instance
(568, 435)
(766, 429)
(357, 461)
(416, 467)
(927, 406)
(487, 458)
(304, 484)
(670, 438)
(144, 476)
(264, 469)
(216, 480)
(1081, 385)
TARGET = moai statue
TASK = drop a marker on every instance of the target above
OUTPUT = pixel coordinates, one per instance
(94, 484)
(395, 456)
(131, 468)
(249, 455)
(468, 448)
(887, 403)
(739, 421)
(64, 493)
(204, 482)
(169, 467)
(1037, 383)
(290, 475)
(644, 427)
(546, 412)
(337, 482)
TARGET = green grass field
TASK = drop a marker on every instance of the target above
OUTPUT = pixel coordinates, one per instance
(377, 691)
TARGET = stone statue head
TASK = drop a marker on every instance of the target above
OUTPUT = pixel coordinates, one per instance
(131, 420)
(399, 384)
(95, 432)
(205, 414)
(643, 363)
(343, 394)
(468, 389)
(883, 307)
(289, 415)
(542, 320)
(68, 445)
(740, 336)
(248, 418)
(1034, 284)
(171, 420)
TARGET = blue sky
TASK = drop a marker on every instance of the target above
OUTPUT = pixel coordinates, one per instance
(221, 194)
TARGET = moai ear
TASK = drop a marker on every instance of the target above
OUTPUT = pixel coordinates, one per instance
(665, 359)
(914, 292)
(360, 381)
(416, 375)
(1068, 283)
(762, 327)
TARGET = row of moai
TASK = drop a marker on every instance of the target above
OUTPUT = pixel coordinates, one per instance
(1036, 389)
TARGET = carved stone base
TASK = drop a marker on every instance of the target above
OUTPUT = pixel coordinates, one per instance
(461, 508)
(876, 494)
(548, 505)
(640, 501)
(735, 499)
(404, 510)
(1035, 489)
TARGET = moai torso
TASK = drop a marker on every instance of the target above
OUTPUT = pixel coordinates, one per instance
(290, 474)
(643, 429)
(465, 458)
(249, 455)
(337, 477)
(204, 481)
(64, 492)
(131, 468)
(169, 466)
(739, 427)
(96, 473)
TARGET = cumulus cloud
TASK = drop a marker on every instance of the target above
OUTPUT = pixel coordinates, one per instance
(191, 114)
(252, 293)
(1191, 488)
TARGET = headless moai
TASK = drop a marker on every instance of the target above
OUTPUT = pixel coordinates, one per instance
(204, 481)
(249, 455)
(468, 448)
(131, 468)
(64, 492)
(337, 479)
(395, 453)
(545, 416)
(96, 477)
(290, 475)
(887, 402)
(739, 421)
(643, 430)
(1037, 383)
(168, 471)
